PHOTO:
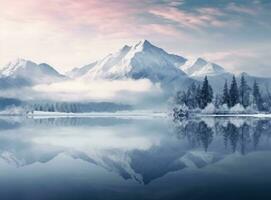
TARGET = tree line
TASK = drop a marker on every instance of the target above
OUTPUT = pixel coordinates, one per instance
(76, 107)
(198, 96)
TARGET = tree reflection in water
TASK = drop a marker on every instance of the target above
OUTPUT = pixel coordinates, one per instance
(239, 135)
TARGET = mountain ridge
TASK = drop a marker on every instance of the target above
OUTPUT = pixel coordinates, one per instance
(142, 60)
(202, 67)
(22, 72)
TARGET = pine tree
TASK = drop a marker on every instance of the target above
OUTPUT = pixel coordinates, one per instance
(210, 94)
(234, 93)
(244, 91)
(198, 96)
(178, 98)
(191, 96)
(206, 93)
(257, 96)
(217, 100)
(226, 96)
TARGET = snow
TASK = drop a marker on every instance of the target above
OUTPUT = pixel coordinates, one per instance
(201, 68)
(30, 71)
(210, 108)
(11, 159)
(192, 158)
(224, 110)
(146, 114)
(142, 60)
(14, 66)
(13, 110)
(77, 72)
(207, 157)
(257, 115)
(238, 108)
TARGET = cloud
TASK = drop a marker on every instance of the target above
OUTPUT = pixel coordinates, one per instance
(125, 91)
(203, 17)
(243, 9)
(82, 31)
(244, 60)
(102, 16)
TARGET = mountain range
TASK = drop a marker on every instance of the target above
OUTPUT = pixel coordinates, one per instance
(201, 68)
(128, 166)
(140, 61)
(21, 72)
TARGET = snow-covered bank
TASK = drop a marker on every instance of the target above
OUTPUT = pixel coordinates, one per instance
(120, 114)
(258, 115)
(13, 111)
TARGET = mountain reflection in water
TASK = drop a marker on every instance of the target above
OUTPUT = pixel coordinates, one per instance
(128, 158)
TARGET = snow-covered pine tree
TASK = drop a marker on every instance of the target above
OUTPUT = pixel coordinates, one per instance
(257, 96)
(206, 93)
(217, 100)
(234, 93)
(181, 98)
(210, 94)
(244, 92)
(191, 96)
(198, 95)
(226, 96)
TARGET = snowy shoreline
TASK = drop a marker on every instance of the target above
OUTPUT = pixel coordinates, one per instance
(132, 114)
(126, 114)
(256, 115)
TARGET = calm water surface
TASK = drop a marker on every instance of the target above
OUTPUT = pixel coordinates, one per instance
(114, 158)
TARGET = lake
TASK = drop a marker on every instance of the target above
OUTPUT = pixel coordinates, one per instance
(134, 158)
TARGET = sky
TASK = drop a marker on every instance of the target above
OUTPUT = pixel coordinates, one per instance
(72, 33)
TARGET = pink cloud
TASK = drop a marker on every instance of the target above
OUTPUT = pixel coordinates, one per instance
(203, 17)
(243, 9)
(210, 11)
(111, 18)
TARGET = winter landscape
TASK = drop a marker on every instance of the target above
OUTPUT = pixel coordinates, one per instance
(159, 81)
(150, 100)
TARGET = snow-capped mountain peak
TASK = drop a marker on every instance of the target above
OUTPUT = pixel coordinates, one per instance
(142, 60)
(27, 72)
(201, 68)
(201, 62)
(15, 65)
(125, 48)
(143, 44)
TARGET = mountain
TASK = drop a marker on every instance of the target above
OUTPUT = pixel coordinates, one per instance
(202, 68)
(22, 72)
(140, 166)
(218, 81)
(142, 60)
(217, 75)
(77, 72)
(173, 72)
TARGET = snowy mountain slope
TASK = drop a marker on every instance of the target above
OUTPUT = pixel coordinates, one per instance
(145, 168)
(173, 72)
(142, 60)
(201, 68)
(77, 72)
(22, 72)
(157, 163)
